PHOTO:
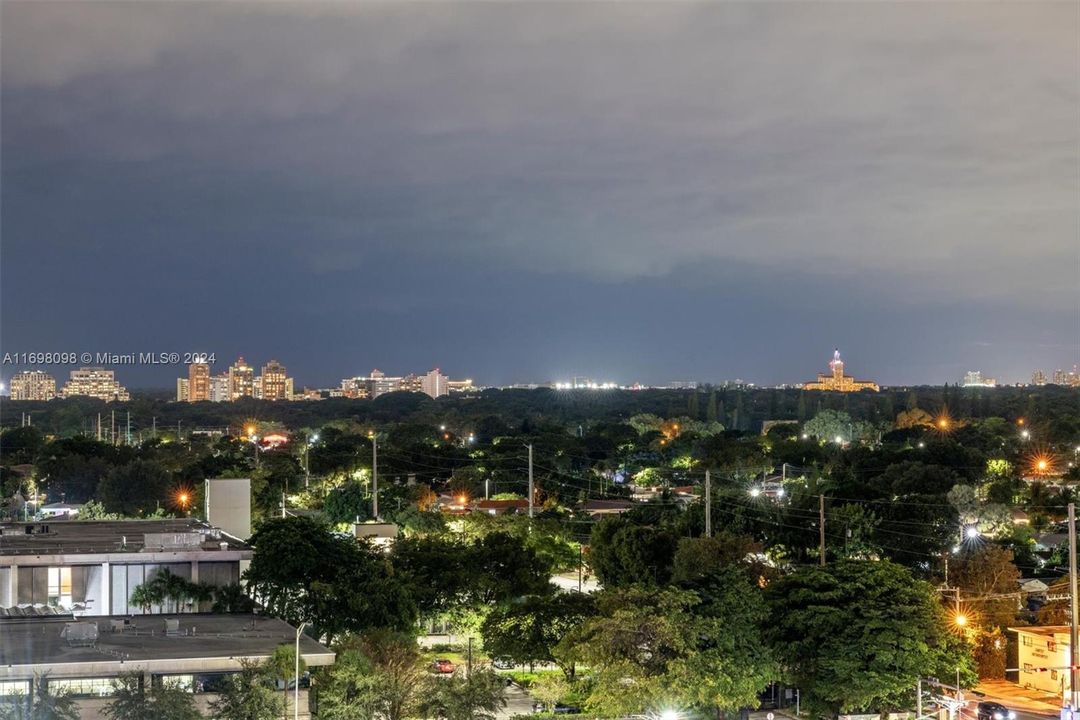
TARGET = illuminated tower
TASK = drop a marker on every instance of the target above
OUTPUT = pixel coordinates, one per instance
(241, 380)
(198, 382)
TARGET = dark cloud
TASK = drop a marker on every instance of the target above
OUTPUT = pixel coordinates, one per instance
(520, 190)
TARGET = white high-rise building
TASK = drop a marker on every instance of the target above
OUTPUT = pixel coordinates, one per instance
(435, 384)
(219, 389)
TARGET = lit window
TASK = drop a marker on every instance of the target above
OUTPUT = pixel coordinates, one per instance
(1027, 641)
(59, 590)
(83, 687)
(14, 687)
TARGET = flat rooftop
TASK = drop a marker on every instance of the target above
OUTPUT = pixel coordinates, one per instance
(1041, 629)
(58, 537)
(38, 642)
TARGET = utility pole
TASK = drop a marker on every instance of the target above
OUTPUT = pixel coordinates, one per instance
(821, 528)
(155, 426)
(708, 503)
(918, 699)
(127, 440)
(99, 427)
(531, 493)
(487, 488)
(112, 427)
(375, 475)
(1074, 690)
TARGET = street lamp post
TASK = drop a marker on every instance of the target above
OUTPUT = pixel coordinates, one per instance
(375, 475)
(296, 683)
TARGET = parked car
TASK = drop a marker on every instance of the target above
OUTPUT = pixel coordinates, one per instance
(503, 663)
(442, 666)
(561, 709)
(989, 710)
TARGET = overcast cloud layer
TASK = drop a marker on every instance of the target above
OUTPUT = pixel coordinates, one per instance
(641, 191)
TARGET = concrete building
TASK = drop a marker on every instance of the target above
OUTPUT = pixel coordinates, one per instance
(91, 567)
(219, 388)
(1038, 378)
(198, 382)
(837, 381)
(183, 386)
(1042, 653)
(434, 384)
(465, 385)
(196, 652)
(32, 385)
(228, 505)
(96, 383)
(241, 380)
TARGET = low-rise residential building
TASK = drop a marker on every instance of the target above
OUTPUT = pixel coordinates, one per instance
(503, 507)
(1042, 657)
(90, 568)
(197, 652)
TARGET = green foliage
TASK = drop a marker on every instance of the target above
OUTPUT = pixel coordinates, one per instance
(855, 635)
(93, 510)
(303, 572)
(162, 701)
(450, 575)
(347, 503)
(622, 552)
(379, 675)
(138, 488)
(248, 695)
(477, 696)
(650, 648)
(527, 631)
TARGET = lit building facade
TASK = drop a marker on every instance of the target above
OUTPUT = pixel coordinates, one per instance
(434, 384)
(96, 383)
(198, 382)
(241, 380)
(33, 385)
(837, 381)
(182, 389)
(1038, 378)
(974, 378)
(272, 381)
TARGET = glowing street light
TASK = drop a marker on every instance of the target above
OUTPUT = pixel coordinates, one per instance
(971, 532)
(1025, 433)
(754, 492)
(839, 440)
(960, 620)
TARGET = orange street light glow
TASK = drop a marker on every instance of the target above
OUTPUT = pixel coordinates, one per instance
(960, 620)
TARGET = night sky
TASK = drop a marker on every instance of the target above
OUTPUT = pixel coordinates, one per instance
(523, 192)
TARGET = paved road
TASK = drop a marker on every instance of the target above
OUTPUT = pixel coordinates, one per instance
(518, 702)
(1027, 704)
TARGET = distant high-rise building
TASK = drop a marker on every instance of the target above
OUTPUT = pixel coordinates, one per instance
(1074, 376)
(272, 381)
(837, 381)
(94, 382)
(1038, 378)
(198, 382)
(241, 380)
(1061, 377)
(974, 378)
(412, 383)
(183, 389)
(32, 385)
(434, 384)
(219, 389)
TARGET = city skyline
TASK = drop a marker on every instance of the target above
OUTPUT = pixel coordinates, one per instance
(378, 382)
(646, 194)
